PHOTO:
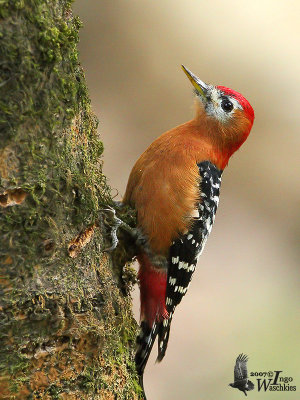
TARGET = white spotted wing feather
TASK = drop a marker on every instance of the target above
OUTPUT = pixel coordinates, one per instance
(185, 251)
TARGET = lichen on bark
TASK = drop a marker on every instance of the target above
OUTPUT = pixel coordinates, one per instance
(66, 326)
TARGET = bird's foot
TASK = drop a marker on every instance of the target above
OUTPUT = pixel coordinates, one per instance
(115, 223)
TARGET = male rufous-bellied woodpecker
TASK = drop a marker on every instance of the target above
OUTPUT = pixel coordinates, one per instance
(174, 188)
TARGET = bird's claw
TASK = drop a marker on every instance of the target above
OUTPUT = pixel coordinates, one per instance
(115, 223)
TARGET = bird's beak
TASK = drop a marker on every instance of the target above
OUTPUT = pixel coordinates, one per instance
(200, 86)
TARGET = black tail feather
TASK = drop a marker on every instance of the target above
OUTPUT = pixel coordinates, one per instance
(144, 342)
(163, 337)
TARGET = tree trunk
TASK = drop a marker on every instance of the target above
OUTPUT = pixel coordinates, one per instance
(66, 325)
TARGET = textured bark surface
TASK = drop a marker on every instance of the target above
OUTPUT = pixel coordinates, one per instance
(66, 327)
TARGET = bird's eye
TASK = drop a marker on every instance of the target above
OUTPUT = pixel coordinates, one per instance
(226, 105)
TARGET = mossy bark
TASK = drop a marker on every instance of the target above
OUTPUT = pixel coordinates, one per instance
(66, 326)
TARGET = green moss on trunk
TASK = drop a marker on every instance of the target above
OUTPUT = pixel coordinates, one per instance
(66, 328)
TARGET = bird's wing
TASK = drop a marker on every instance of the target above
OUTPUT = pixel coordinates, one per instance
(240, 368)
(185, 251)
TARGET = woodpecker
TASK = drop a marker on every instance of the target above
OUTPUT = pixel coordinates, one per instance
(174, 187)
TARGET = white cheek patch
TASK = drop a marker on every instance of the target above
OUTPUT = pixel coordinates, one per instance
(213, 107)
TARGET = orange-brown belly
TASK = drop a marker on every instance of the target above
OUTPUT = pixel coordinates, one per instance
(164, 200)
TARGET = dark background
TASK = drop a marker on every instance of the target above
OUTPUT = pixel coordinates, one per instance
(245, 293)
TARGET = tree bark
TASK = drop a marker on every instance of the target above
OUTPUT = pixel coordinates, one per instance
(66, 325)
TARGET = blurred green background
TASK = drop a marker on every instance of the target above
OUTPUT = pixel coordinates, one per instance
(244, 296)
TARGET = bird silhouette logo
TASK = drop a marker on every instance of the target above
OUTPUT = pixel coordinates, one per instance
(241, 380)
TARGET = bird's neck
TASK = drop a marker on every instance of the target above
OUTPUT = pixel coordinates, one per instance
(203, 144)
(220, 140)
(223, 138)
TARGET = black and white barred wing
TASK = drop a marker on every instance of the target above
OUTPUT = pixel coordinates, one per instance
(185, 251)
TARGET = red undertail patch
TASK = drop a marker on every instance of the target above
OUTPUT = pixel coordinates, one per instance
(153, 284)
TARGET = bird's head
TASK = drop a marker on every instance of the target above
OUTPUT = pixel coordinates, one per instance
(226, 115)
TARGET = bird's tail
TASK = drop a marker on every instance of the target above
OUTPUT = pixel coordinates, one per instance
(144, 342)
(163, 337)
(153, 309)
